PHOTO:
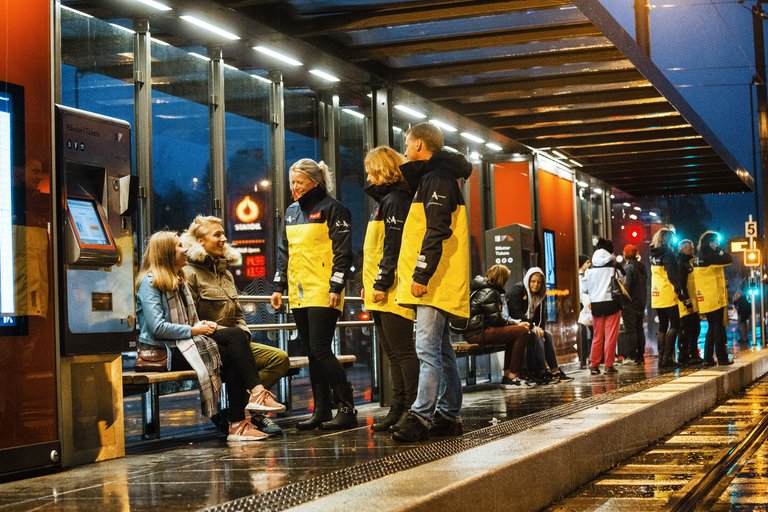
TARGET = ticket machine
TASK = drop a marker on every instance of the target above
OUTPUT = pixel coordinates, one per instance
(96, 198)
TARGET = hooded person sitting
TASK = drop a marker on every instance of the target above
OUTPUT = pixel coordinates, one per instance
(525, 302)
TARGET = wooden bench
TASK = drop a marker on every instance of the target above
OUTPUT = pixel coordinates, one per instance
(471, 351)
(148, 383)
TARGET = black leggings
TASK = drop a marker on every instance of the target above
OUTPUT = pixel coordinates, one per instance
(239, 369)
(669, 325)
(316, 326)
(715, 340)
(396, 336)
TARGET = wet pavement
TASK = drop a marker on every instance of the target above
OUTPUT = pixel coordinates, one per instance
(193, 467)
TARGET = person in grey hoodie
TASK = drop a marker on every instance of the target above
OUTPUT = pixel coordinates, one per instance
(525, 302)
(606, 312)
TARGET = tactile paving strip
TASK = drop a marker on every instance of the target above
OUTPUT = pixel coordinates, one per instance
(302, 492)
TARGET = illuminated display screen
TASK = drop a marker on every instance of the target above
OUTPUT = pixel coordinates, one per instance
(7, 299)
(87, 222)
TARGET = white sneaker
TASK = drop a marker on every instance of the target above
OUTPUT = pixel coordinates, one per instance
(264, 401)
(243, 431)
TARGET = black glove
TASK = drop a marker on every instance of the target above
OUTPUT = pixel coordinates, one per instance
(688, 303)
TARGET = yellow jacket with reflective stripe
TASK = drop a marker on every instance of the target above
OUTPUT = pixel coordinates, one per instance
(315, 251)
(435, 250)
(381, 249)
(708, 270)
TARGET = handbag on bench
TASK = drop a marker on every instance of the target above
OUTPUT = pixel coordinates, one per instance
(151, 359)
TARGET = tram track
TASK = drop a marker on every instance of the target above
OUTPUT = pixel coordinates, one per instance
(703, 491)
(715, 462)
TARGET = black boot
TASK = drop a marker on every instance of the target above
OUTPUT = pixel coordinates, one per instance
(322, 412)
(660, 345)
(346, 416)
(401, 421)
(668, 357)
(395, 411)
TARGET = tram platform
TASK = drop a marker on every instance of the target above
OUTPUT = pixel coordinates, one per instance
(522, 449)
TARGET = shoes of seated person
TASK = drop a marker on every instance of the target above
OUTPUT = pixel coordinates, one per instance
(611, 369)
(264, 401)
(727, 362)
(442, 426)
(594, 370)
(560, 376)
(265, 424)
(244, 431)
(516, 383)
(412, 430)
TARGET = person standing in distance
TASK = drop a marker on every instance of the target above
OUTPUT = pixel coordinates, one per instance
(314, 257)
(433, 277)
(633, 311)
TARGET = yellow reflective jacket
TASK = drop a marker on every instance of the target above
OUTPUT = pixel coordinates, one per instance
(435, 250)
(711, 290)
(315, 250)
(381, 249)
(666, 283)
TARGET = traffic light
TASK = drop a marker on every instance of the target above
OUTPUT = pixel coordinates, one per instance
(752, 258)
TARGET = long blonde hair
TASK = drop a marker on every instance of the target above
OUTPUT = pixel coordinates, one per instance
(384, 162)
(158, 260)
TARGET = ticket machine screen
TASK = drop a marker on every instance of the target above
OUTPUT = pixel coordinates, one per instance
(88, 223)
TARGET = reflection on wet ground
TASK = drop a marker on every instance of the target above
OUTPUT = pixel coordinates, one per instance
(193, 467)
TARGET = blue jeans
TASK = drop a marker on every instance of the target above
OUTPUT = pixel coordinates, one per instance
(439, 379)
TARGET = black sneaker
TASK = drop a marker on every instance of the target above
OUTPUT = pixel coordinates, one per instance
(561, 377)
(594, 370)
(442, 426)
(516, 383)
(413, 430)
(611, 369)
(265, 424)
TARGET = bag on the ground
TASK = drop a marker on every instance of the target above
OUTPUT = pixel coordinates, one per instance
(151, 359)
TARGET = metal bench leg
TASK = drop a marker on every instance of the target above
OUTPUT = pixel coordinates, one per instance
(150, 413)
(471, 370)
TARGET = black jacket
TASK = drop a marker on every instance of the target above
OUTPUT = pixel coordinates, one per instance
(636, 282)
(485, 307)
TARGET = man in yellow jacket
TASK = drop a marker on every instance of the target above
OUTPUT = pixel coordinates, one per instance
(433, 278)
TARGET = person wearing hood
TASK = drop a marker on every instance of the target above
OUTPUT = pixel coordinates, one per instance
(433, 278)
(381, 250)
(525, 301)
(667, 288)
(314, 259)
(712, 296)
(606, 312)
(690, 324)
(489, 325)
(215, 295)
(633, 310)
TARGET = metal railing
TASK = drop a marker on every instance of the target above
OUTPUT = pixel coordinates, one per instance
(283, 326)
